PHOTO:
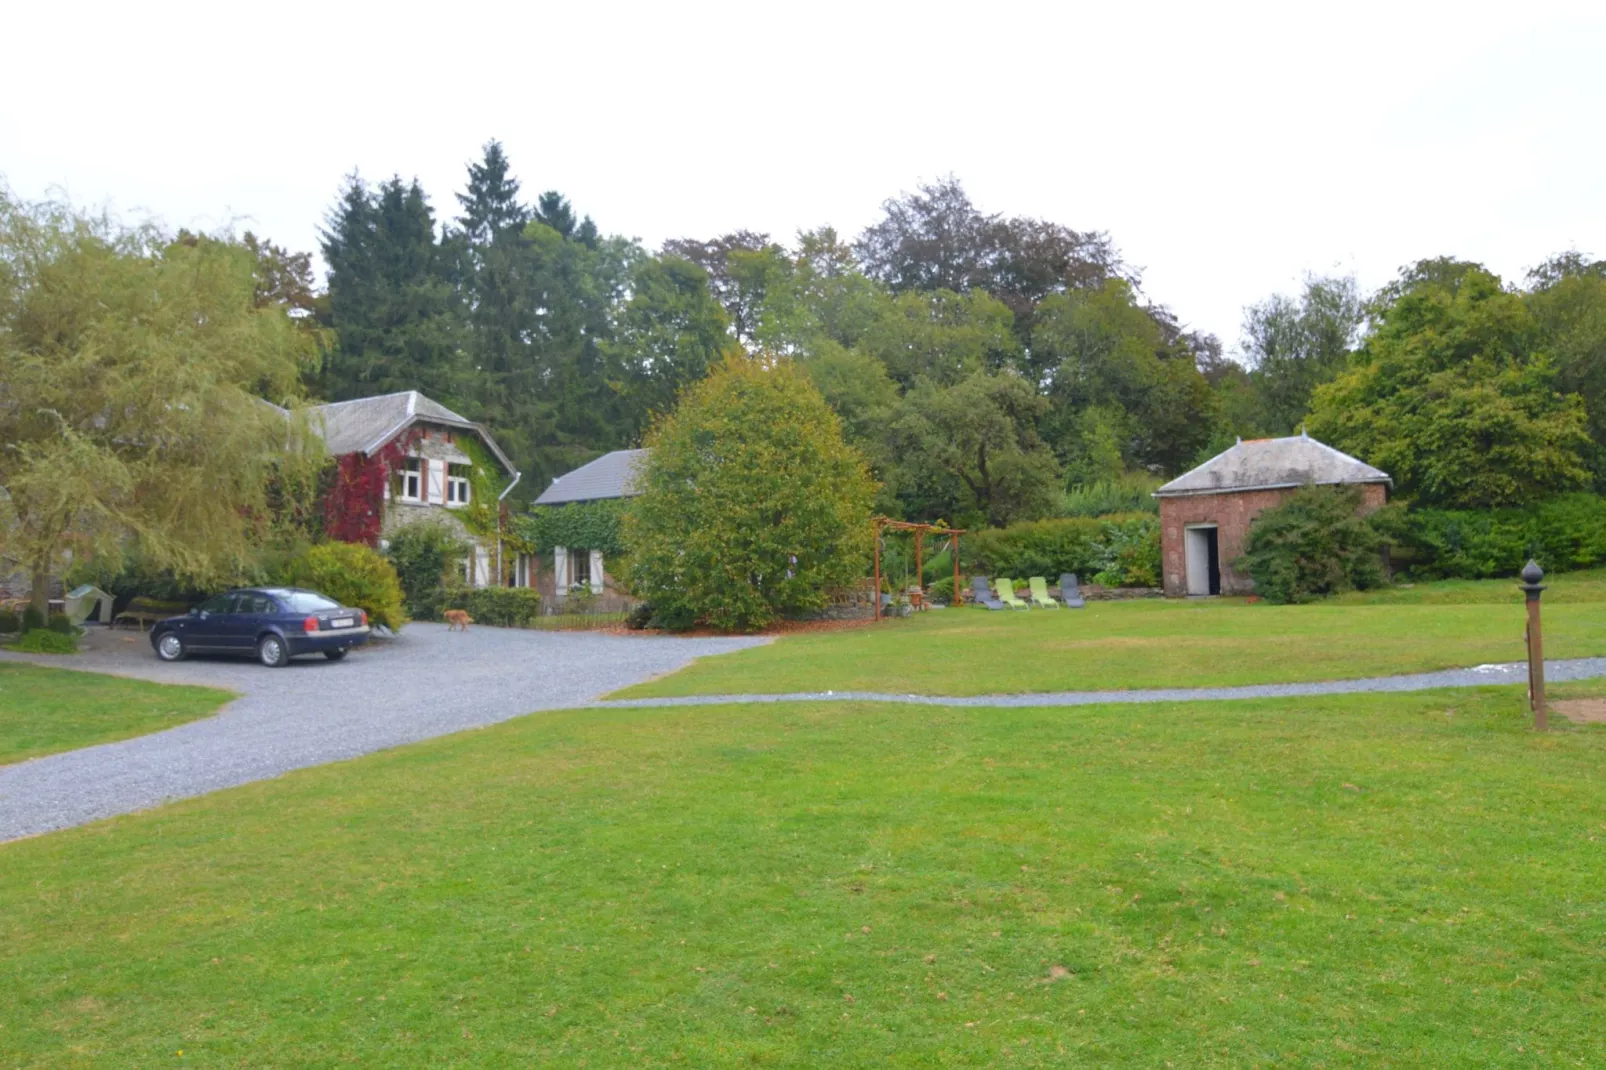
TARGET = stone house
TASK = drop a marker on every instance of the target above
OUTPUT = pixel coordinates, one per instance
(1205, 514)
(435, 478)
(583, 568)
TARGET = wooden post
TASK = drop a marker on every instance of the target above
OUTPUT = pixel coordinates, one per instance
(920, 572)
(1531, 587)
(875, 594)
(953, 551)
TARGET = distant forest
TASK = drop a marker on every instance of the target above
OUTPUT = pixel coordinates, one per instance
(989, 367)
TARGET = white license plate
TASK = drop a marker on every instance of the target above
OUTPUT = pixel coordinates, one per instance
(342, 622)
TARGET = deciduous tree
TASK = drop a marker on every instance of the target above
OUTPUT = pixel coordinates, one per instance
(132, 372)
(751, 506)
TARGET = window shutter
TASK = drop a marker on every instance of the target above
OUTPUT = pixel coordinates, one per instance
(437, 482)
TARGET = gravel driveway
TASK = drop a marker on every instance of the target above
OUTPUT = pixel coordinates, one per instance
(427, 682)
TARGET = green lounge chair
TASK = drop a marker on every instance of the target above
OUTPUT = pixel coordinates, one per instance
(1040, 597)
(1006, 593)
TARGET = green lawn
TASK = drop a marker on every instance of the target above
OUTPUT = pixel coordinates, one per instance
(1401, 880)
(43, 711)
(1156, 643)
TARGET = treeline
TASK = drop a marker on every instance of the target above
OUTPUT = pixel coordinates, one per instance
(985, 365)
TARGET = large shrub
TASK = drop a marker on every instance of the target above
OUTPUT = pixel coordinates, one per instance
(1116, 551)
(353, 575)
(1313, 544)
(504, 607)
(751, 505)
(9, 622)
(1564, 533)
(423, 555)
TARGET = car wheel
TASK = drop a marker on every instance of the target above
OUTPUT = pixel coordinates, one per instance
(271, 651)
(170, 647)
(334, 655)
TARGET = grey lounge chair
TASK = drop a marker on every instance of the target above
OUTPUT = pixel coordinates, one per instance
(1071, 591)
(982, 594)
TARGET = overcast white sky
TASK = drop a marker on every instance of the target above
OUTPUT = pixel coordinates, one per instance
(1227, 151)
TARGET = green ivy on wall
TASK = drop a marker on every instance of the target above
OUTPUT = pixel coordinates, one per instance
(578, 526)
(485, 482)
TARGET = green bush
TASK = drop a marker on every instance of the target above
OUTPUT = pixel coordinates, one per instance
(353, 575)
(1118, 551)
(61, 623)
(1312, 545)
(1561, 534)
(751, 507)
(32, 619)
(45, 641)
(503, 607)
(424, 555)
(1132, 493)
(9, 622)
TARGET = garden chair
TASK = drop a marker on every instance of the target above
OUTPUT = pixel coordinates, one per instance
(1071, 591)
(1006, 593)
(1040, 598)
(983, 594)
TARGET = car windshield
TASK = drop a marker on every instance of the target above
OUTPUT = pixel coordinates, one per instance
(306, 602)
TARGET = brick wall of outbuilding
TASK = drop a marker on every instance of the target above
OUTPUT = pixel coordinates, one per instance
(1232, 513)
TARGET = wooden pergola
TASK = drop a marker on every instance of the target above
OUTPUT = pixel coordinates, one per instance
(884, 523)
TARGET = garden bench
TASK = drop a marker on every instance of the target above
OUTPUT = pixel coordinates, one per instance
(147, 611)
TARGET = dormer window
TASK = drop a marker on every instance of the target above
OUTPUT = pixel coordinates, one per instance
(457, 490)
(412, 480)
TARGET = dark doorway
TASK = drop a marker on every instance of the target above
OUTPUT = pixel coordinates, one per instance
(1212, 548)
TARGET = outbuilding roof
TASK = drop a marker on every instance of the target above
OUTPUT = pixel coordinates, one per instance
(613, 475)
(1272, 464)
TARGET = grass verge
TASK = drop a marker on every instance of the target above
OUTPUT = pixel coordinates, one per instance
(43, 711)
(1126, 645)
(1409, 880)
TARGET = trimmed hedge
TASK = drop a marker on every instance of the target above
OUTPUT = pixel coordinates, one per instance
(9, 622)
(502, 607)
(1122, 550)
(1561, 534)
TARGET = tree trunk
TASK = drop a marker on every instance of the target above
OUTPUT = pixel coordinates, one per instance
(39, 598)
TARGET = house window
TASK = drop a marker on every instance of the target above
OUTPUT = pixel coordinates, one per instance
(411, 480)
(579, 569)
(457, 484)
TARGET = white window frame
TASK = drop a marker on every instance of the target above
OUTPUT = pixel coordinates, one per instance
(457, 487)
(412, 476)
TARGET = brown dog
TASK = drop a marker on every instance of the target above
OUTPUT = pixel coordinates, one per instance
(458, 618)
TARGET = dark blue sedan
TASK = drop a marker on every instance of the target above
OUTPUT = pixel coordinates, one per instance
(271, 624)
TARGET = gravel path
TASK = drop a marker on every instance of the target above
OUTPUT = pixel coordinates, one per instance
(1481, 676)
(428, 682)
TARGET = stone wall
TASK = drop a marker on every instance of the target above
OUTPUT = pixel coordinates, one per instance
(1232, 513)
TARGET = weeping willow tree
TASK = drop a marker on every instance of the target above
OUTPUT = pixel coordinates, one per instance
(136, 371)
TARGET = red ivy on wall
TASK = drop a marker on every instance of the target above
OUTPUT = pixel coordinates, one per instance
(354, 506)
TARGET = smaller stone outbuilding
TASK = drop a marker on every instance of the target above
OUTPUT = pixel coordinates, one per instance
(579, 569)
(1205, 514)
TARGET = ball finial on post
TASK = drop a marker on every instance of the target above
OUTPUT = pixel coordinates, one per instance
(1531, 586)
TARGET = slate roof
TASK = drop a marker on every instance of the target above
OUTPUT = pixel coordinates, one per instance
(613, 475)
(365, 424)
(1271, 464)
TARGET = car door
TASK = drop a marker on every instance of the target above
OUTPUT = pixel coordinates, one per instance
(208, 629)
(251, 609)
